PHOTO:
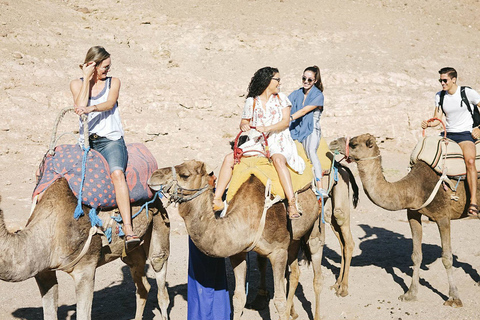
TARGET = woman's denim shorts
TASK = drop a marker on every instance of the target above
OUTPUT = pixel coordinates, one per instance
(114, 151)
(460, 136)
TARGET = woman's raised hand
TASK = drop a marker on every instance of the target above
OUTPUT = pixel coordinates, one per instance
(88, 70)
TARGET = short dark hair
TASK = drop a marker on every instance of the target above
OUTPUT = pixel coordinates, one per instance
(449, 71)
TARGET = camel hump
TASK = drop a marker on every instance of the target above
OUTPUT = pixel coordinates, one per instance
(434, 149)
(98, 191)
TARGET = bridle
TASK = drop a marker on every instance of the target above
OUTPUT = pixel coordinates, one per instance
(238, 152)
(176, 193)
(347, 158)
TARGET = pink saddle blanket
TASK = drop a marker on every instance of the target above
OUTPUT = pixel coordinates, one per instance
(98, 190)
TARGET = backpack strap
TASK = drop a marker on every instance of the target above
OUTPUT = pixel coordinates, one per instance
(440, 103)
(465, 99)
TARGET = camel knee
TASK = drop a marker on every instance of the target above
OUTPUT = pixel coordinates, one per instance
(158, 261)
(340, 216)
(447, 261)
(416, 258)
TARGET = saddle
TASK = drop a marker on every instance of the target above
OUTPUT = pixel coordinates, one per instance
(263, 169)
(98, 190)
(443, 155)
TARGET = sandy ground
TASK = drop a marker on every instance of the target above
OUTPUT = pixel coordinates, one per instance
(185, 68)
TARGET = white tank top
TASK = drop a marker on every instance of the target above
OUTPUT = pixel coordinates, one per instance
(105, 123)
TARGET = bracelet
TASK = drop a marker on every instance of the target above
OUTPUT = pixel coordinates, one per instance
(291, 118)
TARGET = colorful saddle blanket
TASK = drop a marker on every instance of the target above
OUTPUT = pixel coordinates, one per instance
(433, 150)
(264, 170)
(98, 190)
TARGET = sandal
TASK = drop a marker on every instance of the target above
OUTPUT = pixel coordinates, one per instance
(473, 210)
(131, 241)
(292, 209)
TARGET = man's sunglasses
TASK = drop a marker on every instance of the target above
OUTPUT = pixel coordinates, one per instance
(443, 80)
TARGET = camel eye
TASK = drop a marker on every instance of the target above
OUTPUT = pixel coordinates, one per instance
(184, 175)
(353, 145)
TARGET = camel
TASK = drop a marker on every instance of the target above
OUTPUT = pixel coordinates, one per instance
(52, 239)
(231, 236)
(337, 214)
(410, 193)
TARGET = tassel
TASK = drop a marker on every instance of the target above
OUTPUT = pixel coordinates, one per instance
(108, 234)
(94, 219)
(78, 210)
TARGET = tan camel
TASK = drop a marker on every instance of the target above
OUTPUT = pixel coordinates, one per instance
(52, 238)
(187, 184)
(410, 193)
(337, 214)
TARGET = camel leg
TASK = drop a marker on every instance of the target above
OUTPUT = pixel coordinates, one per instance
(293, 278)
(316, 243)
(48, 285)
(158, 255)
(136, 260)
(341, 228)
(415, 221)
(239, 265)
(447, 259)
(84, 278)
(278, 259)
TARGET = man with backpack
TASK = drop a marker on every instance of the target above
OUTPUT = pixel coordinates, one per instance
(462, 119)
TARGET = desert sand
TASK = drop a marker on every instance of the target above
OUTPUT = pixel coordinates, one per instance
(185, 67)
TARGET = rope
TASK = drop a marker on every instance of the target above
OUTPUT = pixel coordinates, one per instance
(91, 233)
(268, 203)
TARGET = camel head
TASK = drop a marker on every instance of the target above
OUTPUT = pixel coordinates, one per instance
(183, 181)
(359, 148)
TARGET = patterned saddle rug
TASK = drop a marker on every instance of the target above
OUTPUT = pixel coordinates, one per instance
(98, 190)
(433, 150)
(264, 170)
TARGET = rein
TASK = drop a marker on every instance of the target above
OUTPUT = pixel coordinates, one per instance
(176, 193)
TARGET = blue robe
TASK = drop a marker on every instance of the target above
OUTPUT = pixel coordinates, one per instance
(207, 296)
(302, 127)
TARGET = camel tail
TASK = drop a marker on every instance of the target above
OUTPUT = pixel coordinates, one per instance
(307, 254)
(354, 184)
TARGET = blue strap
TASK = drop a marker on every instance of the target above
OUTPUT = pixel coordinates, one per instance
(458, 181)
(78, 210)
(145, 205)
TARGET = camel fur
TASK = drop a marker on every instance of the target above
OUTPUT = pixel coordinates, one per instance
(52, 238)
(410, 193)
(337, 214)
(232, 235)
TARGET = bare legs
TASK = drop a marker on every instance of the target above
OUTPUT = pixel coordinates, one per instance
(123, 200)
(223, 179)
(280, 164)
(469, 152)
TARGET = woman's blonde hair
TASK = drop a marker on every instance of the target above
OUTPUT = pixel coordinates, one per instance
(96, 54)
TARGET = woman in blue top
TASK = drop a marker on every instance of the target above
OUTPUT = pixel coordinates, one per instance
(307, 107)
(95, 95)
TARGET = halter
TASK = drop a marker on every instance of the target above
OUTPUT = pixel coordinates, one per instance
(347, 153)
(238, 153)
(175, 191)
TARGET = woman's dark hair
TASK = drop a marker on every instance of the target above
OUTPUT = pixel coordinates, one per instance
(97, 54)
(449, 71)
(318, 78)
(260, 81)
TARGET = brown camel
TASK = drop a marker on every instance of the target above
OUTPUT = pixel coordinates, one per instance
(52, 239)
(231, 236)
(337, 214)
(410, 193)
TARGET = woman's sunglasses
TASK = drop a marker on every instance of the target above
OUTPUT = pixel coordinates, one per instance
(309, 80)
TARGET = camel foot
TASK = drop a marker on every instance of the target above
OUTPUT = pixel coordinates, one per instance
(408, 297)
(260, 302)
(340, 290)
(452, 302)
(293, 314)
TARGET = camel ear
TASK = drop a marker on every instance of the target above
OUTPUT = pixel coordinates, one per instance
(370, 142)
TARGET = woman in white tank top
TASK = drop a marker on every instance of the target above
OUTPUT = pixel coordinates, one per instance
(96, 96)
